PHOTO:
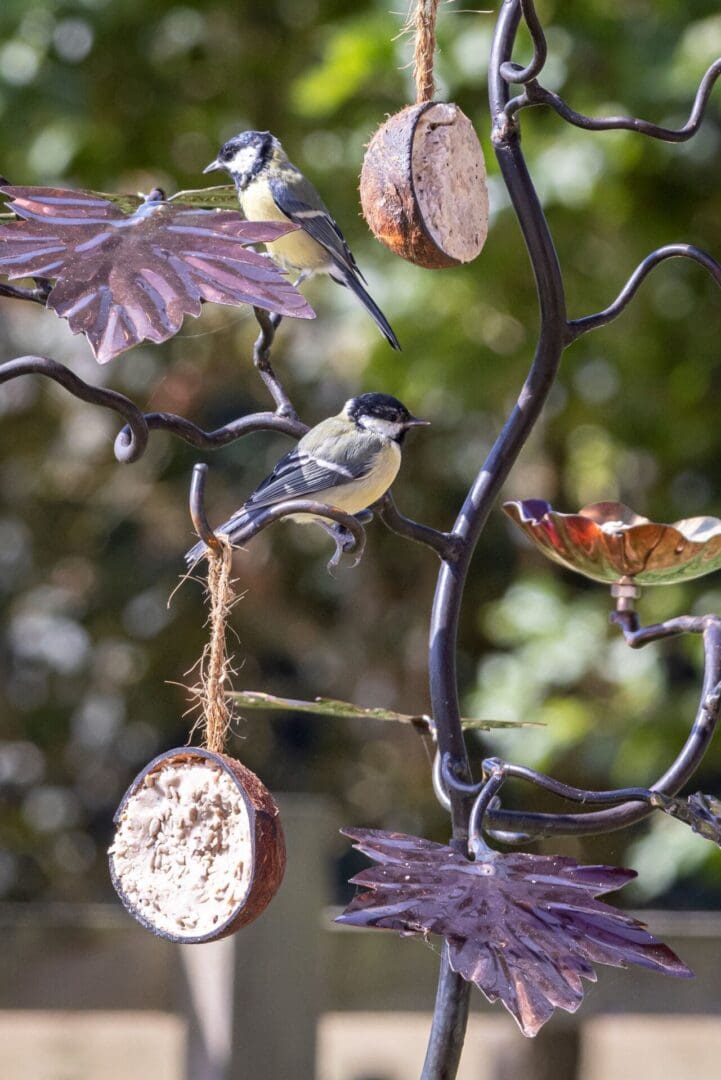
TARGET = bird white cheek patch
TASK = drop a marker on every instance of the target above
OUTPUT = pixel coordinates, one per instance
(244, 160)
(389, 428)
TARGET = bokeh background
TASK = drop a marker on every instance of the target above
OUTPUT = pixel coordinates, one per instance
(126, 95)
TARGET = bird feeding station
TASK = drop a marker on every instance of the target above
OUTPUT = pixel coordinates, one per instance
(198, 850)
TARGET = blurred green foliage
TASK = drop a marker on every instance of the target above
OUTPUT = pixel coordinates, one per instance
(124, 95)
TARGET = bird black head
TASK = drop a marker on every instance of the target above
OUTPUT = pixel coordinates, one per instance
(383, 414)
(244, 155)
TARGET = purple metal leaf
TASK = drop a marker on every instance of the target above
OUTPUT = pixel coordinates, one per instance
(526, 929)
(125, 278)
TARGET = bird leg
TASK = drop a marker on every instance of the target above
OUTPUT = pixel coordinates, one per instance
(343, 539)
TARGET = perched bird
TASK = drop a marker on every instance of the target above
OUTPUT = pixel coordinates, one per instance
(270, 188)
(348, 461)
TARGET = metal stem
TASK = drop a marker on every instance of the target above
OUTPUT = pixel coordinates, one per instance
(452, 1000)
(197, 507)
(222, 436)
(261, 358)
(450, 1018)
(264, 517)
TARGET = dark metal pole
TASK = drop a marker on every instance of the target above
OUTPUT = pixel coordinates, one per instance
(451, 1007)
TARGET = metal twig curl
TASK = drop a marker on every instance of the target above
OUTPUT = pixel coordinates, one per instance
(261, 358)
(676, 775)
(446, 545)
(514, 73)
(210, 440)
(196, 502)
(270, 514)
(137, 428)
(132, 440)
(577, 327)
(538, 95)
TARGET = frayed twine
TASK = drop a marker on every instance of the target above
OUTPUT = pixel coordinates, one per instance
(214, 665)
(422, 22)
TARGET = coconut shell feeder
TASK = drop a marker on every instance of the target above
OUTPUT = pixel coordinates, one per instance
(423, 182)
(198, 850)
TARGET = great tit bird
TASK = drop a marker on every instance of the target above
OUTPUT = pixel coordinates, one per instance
(348, 461)
(270, 188)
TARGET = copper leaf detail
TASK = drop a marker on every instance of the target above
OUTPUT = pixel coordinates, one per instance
(124, 278)
(526, 929)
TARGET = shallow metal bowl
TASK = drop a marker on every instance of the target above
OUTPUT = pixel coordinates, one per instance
(608, 541)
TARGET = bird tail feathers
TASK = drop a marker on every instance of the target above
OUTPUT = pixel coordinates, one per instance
(353, 283)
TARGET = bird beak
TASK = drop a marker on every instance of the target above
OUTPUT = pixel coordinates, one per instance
(212, 167)
(414, 421)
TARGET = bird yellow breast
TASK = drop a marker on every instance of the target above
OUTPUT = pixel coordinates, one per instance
(297, 250)
(360, 494)
(357, 496)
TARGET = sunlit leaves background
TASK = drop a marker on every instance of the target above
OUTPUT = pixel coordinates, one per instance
(126, 95)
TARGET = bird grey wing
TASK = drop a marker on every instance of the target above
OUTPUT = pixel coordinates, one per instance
(299, 475)
(304, 206)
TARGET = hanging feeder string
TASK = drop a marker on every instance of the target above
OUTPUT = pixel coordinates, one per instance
(423, 23)
(214, 666)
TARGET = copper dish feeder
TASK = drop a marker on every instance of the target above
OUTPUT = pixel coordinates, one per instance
(609, 542)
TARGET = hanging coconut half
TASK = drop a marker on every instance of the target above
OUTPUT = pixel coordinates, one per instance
(423, 186)
(198, 850)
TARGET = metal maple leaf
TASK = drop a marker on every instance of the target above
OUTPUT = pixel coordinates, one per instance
(124, 278)
(525, 929)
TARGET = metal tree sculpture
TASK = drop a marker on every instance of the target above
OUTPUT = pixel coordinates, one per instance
(549, 904)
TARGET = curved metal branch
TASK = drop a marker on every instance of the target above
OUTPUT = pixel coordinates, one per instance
(211, 440)
(266, 516)
(197, 507)
(137, 428)
(538, 95)
(262, 518)
(567, 791)
(496, 773)
(447, 545)
(261, 358)
(678, 773)
(514, 73)
(132, 440)
(578, 327)
(637, 636)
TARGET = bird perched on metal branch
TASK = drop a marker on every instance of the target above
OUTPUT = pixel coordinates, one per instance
(348, 461)
(271, 188)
